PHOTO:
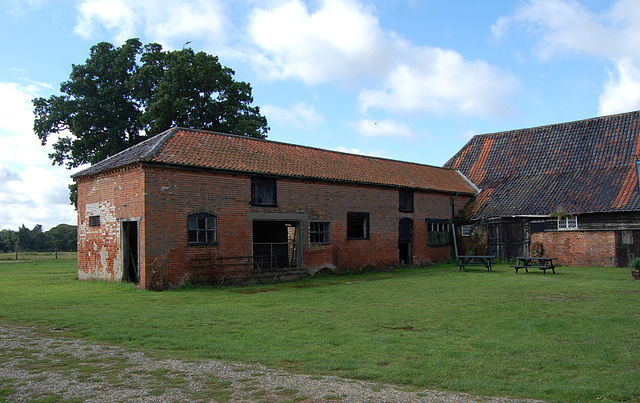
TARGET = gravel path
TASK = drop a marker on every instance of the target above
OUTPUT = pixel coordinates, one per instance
(54, 368)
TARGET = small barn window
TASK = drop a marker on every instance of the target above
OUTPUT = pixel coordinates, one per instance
(466, 230)
(438, 232)
(94, 221)
(263, 192)
(568, 222)
(357, 225)
(406, 201)
(320, 232)
(202, 229)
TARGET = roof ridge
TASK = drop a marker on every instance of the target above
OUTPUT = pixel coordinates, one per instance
(156, 142)
(324, 150)
(163, 137)
(616, 115)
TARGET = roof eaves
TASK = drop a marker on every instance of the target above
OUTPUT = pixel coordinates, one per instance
(303, 177)
(103, 166)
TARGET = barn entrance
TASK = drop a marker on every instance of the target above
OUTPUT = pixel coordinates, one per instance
(405, 241)
(507, 239)
(130, 256)
(276, 243)
(627, 247)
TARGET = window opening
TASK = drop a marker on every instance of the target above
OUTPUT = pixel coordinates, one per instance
(438, 232)
(202, 229)
(568, 222)
(406, 200)
(466, 230)
(357, 225)
(94, 221)
(320, 232)
(263, 192)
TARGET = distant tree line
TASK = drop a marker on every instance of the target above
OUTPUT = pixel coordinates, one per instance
(62, 238)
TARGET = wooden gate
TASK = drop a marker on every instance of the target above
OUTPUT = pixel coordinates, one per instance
(627, 247)
(507, 238)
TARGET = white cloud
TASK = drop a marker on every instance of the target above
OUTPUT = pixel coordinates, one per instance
(114, 15)
(342, 41)
(348, 150)
(383, 128)
(566, 27)
(338, 41)
(302, 115)
(34, 196)
(16, 109)
(563, 26)
(31, 191)
(622, 90)
(441, 81)
(161, 20)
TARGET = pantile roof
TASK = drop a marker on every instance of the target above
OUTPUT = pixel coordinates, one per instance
(586, 166)
(204, 149)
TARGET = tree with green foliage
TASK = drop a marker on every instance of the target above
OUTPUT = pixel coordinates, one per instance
(62, 238)
(123, 95)
(8, 240)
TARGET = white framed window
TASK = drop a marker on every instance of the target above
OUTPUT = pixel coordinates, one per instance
(568, 222)
(467, 230)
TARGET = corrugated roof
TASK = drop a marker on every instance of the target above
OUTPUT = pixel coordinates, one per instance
(204, 149)
(578, 167)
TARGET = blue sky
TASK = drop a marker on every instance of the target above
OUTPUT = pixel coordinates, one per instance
(403, 79)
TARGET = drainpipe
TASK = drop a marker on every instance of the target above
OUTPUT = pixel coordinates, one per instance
(453, 226)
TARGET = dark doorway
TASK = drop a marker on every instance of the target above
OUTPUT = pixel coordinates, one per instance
(405, 241)
(276, 243)
(131, 272)
(627, 247)
(507, 239)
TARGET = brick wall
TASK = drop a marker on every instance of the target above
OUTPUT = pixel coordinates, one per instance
(173, 194)
(113, 197)
(169, 196)
(578, 248)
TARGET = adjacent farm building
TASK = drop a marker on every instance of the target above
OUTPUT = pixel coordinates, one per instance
(566, 190)
(190, 205)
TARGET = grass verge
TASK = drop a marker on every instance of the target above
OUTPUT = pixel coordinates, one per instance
(572, 336)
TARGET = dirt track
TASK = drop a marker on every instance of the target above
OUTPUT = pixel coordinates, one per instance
(36, 366)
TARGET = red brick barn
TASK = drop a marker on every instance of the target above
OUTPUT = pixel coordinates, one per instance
(566, 190)
(189, 205)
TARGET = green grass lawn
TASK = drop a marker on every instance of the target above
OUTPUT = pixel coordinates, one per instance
(36, 256)
(572, 336)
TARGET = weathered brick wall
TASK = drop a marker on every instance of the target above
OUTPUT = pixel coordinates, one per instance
(113, 197)
(172, 194)
(578, 248)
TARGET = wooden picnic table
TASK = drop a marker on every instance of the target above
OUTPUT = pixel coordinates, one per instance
(527, 262)
(475, 260)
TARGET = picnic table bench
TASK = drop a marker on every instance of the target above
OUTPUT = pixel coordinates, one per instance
(527, 262)
(475, 260)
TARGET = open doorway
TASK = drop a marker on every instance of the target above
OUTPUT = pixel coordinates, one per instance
(405, 241)
(130, 261)
(276, 243)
